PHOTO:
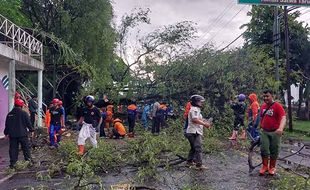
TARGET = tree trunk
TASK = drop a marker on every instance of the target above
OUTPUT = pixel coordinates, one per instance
(308, 109)
(301, 100)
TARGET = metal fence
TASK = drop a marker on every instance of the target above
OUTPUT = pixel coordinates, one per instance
(19, 39)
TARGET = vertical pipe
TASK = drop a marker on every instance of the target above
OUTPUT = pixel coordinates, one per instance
(40, 92)
(40, 83)
(288, 70)
(12, 83)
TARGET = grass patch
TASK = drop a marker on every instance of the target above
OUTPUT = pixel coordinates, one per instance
(296, 135)
(301, 131)
(290, 181)
(302, 126)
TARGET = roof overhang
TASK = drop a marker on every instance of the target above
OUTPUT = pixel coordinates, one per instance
(23, 61)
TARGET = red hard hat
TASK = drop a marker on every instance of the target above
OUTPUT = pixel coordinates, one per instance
(55, 101)
(19, 102)
(17, 95)
(60, 102)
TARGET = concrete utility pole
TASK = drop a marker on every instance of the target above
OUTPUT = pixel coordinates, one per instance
(288, 70)
(276, 40)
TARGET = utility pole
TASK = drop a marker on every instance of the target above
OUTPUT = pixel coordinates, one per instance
(288, 70)
(276, 40)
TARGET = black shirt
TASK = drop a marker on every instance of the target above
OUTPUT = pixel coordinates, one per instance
(17, 122)
(56, 114)
(91, 116)
(32, 105)
(239, 108)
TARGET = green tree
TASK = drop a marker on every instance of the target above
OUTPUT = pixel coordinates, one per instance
(260, 33)
(11, 10)
(78, 39)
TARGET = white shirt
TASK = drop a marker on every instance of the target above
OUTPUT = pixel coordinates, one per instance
(155, 108)
(194, 113)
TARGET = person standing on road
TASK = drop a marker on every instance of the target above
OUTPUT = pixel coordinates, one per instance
(132, 114)
(33, 108)
(194, 132)
(102, 125)
(17, 124)
(91, 120)
(273, 120)
(63, 110)
(155, 121)
(145, 116)
(56, 124)
(253, 116)
(239, 112)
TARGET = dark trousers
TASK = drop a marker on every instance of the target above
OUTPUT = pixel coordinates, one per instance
(163, 122)
(131, 122)
(116, 134)
(195, 153)
(238, 122)
(156, 124)
(102, 132)
(32, 118)
(14, 149)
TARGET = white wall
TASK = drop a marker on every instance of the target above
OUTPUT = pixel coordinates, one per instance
(294, 93)
(4, 70)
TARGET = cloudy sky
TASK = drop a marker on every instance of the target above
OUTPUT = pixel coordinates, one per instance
(218, 21)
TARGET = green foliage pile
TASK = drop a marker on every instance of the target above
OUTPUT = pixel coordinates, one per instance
(147, 154)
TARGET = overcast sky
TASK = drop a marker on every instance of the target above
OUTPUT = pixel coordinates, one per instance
(218, 21)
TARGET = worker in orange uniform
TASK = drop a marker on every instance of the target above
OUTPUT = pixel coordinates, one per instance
(163, 114)
(185, 116)
(119, 130)
(48, 117)
(109, 117)
(132, 113)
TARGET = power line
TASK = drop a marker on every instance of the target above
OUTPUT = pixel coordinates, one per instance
(306, 12)
(232, 42)
(227, 23)
(218, 18)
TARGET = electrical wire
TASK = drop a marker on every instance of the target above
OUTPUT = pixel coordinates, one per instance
(218, 19)
(232, 18)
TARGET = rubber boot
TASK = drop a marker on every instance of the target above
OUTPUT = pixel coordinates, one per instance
(272, 166)
(264, 169)
(243, 135)
(81, 150)
(234, 135)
